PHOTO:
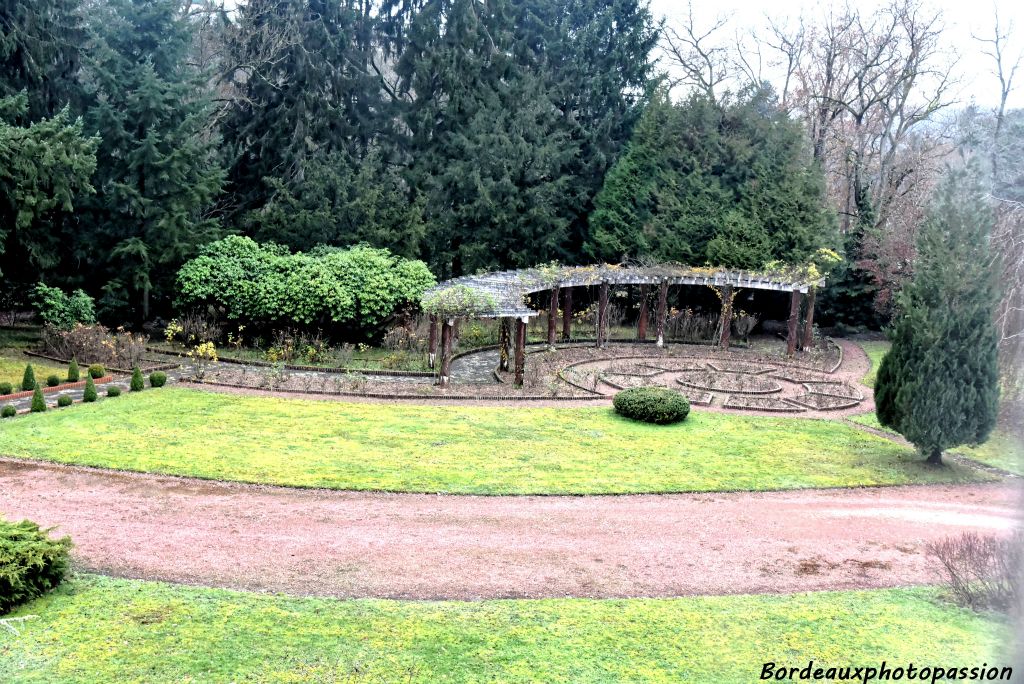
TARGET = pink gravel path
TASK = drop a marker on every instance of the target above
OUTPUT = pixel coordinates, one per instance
(464, 547)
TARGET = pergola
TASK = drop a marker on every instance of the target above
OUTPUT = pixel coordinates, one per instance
(502, 295)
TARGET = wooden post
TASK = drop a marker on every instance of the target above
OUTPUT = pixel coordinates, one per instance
(446, 351)
(794, 319)
(520, 353)
(553, 317)
(602, 315)
(455, 333)
(432, 343)
(504, 343)
(641, 322)
(809, 322)
(567, 315)
(659, 324)
(726, 318)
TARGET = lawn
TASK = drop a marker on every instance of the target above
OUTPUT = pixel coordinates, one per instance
(876, 351)
(97, 629)
(458, 449)
(13, 341)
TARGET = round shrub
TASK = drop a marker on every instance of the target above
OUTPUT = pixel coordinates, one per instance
(657, 405)
(52, 380)
(9, 411)
(31, 563)
(64, 400)
(74, 375)
(113, 391)
(97, 371)
(157, 379)
(137, 384)
(6, 388)
(89, 395)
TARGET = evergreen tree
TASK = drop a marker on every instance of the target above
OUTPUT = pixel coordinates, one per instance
(137, 383)
(38, 401)
(89, 395)
(730, 184)
(28, 380)
(73, 371)
(157, 171)
(939, 386)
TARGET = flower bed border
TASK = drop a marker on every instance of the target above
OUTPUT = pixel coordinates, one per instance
(144, 369)
(775, 409)
(730, 392)
(56, 388)
(299, 367)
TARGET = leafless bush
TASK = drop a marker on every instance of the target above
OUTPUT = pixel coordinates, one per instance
(688, 326)
(982, 571)
(95, 344)
(200, 326)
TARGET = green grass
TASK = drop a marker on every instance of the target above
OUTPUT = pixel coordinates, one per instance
(13, 341)
(97, 629)
(876, 351)
(458, 449)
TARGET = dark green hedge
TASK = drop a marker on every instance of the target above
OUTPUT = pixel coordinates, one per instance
(31, 563)
(652, 405)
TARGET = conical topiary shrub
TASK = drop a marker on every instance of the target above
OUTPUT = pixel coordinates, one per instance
(137, 383)
(73, 373)
(38, 402)
(90, 390)
(28, 380)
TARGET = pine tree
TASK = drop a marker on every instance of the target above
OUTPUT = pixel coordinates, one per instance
(89, 395)
(137, 383)
(28, 380)
(38, 402)
(939, 384)
(157, 168)
(73, 373)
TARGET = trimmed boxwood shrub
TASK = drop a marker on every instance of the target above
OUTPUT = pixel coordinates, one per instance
(9, 411)
(28, 380)
(657, 405)
(90, 390)
(97, 371)
(157, 379)
(31, 563)
(52, 380)
(6, 388)
(113, 391)
(64, 400)
(38, 402)
(137, 384)
(74, 375)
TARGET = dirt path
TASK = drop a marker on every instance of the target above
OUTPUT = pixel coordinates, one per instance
(421, 546)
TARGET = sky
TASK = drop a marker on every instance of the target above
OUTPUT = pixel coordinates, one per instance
(963, 18)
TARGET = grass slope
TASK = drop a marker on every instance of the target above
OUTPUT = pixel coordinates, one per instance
(876, 351)
(96, 629)
(457, 448)
(13, 341)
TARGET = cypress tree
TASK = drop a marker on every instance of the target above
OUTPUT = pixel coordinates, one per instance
(38, 402)
(28, 380)
(73, 373)
(137, 384)
(89, 395)
(939, 384)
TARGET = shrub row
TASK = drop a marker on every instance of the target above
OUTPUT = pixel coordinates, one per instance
(156, 379)
(28, 379)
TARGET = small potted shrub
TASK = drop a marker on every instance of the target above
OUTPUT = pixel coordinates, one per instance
(52, 380)
(73, 372)
(157, 379)
(64, 400)
(658, 405)
(9, 411)
(89, 395)
(38, 402)
(28, 380)
(6, 388)
(97, 371)
(137, 384)
(113, 391)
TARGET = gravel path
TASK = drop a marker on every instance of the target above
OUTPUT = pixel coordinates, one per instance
(431, 547)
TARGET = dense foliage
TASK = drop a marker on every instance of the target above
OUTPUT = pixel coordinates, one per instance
(350, 291)
(157, 379)
(657, 405)
(62, 311)
(31, 563)
(939, 384)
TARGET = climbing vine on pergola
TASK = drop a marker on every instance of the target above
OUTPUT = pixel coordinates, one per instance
(503, 295)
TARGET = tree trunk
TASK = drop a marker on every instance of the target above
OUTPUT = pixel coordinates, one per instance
(809, 321)
(935, 457)
(794, 319)
(641, 323)
(432, 342)
(602, 316)
(662, 312)
(567, 316)
(520, 353)
(446, 352)
(552, 317)
(504, 343)
(725, 320)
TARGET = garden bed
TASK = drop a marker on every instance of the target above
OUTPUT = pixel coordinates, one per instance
(56, 388)
(755, 403)
(154, 366)
(740, 383)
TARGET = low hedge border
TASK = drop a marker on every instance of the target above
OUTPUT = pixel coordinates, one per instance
(57, 388)
(145, 369)
(298, 367)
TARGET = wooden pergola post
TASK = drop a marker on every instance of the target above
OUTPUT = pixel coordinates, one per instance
(520, 352)
(641, 321)
(794, 319)
(446, 351)
(567, 315)
(809, 321)
(504, 343)
(726, 317)
(553, 317)
(432, 343)
(602, 315)
(662, 312)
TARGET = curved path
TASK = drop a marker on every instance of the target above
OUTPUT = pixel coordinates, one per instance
(430, 547)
